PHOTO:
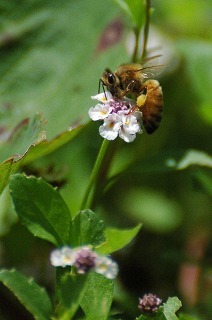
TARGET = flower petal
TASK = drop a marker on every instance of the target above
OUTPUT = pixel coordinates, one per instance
(109, 130)
(103, 97)
(107, 267)
(99, 112)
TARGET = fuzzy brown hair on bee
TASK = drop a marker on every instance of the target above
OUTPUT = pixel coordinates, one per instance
(130, 80)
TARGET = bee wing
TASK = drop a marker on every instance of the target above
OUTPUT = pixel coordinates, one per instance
(150, 68)
(152, 71)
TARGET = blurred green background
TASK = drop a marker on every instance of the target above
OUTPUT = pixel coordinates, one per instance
(52, 54)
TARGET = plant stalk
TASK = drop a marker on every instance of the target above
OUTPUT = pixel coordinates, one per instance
(95, 172)
(146, 30)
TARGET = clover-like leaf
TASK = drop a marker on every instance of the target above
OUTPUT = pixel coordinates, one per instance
(86, 228)
(41, 208)
(98, 297)
(117, 239)
(171, 307)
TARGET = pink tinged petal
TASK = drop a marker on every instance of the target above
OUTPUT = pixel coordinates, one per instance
(107, 133)
(99, 112)
(131, 124)
(109, 130)
(101, 97)
(126, 136)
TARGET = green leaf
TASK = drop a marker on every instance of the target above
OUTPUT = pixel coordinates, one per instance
(117, 239)
(98, 297)
(47, 147)
(72, 289)
(86, 228)
(26, 136)
(42, 59)
(135, 9)
(41, 208)
(171, 307)
(31, 295)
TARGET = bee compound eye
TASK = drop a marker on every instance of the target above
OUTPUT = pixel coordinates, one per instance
(111, 78)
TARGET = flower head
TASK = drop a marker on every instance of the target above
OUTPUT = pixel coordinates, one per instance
(107, 267)
(118, 121)
(149, 303)
(62, 257)
(84, 259)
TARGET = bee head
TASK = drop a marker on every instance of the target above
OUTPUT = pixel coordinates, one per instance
(110, 81)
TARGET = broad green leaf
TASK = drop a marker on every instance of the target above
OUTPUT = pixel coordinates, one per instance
(117, 239)
(171, 307)
(86, 228)
(135, 9)
(49, 146)
(98, 297)
(72, 289)
(41, 208)
(26, 136)
(27, 143)
(48, 62)
(31, 295)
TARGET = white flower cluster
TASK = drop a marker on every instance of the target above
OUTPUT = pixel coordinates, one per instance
(117, 119)
(67, 256)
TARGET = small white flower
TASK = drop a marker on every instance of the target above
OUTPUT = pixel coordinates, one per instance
(99, 112)
(103, 97)
(107, 267)
(110, 129)
(130, 126)
(119, 117)
(63, 257)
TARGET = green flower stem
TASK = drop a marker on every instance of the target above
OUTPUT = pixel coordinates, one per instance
(135, 52)
(95, 172)
(146, 30)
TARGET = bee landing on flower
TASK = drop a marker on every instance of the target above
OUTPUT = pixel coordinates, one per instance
(118, 121)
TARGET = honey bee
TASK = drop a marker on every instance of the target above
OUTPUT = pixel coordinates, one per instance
(130, 79)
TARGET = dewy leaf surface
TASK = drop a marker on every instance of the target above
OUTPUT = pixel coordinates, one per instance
(41, 208)
(31, 295)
